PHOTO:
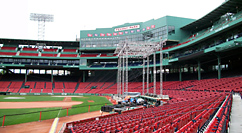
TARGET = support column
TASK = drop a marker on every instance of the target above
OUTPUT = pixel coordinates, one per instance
(161, 74)
(83, 76)
(180, 74)
(148, 62)
(199, 70)
(118, 78)
(51, 76)
(120, 75)
(127, 72)
(154, 73)
(219, 67)
(26, 75)
(123, 69)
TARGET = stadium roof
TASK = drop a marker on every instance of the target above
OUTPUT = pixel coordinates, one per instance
(230, 6)
(8, 41)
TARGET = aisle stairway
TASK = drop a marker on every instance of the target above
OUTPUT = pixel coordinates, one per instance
(236, 115)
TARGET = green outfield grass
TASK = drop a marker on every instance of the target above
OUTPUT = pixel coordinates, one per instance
(17, 116)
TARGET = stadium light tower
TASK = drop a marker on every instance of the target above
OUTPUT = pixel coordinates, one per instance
(41, 18)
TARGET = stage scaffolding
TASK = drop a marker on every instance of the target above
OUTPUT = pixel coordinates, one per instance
(140, 50)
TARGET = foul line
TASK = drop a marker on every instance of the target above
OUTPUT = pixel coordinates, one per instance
(59, 113)
(54, 125)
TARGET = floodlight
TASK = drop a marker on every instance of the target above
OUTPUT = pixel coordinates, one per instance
(41, 18)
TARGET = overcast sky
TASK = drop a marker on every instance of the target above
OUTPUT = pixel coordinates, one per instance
(71, 16)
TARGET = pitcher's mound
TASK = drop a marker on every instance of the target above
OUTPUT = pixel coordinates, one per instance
(91, 101)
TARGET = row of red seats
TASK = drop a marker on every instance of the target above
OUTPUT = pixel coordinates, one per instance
(69, 50)
(195, 124)
(216, 85)
(209, 85)
(49, 50)
(12, 86)
(37, 87)
(8, 48)
(89, 55)
(161, 119)
(29, 49)
(224, 85)
(220, 122)
(37, 54)
(56, 50)
(69, 55)
(35, 49)
(85, 87)
(8, 53)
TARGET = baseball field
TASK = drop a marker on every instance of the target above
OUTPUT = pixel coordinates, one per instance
(22, 109)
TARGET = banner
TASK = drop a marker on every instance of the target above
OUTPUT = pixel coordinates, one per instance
(127, 28)
(121, 32)
(109, 34)
(101, 34)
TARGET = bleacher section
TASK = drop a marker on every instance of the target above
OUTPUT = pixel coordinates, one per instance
(49, 50)
(180, 116)
(29, 49)
(68, 55)
(226, 85)
(28, 54)
(38, 88)
(4, 86)
(89, 55)
(69, 50)
(13, 51)
(69, 87)
(8, 53)
(15, 86)
(58, 87)
(9, 48)
(220, 121)
(48, 55)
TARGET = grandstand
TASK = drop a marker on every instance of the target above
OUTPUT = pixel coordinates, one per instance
(202, 68)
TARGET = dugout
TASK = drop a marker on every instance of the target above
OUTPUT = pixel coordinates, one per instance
(4, 93)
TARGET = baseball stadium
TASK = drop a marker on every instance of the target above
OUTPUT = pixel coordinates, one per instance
(165, 75)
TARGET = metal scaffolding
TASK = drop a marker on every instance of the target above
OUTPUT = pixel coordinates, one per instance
(143, 84)
(141, 50)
